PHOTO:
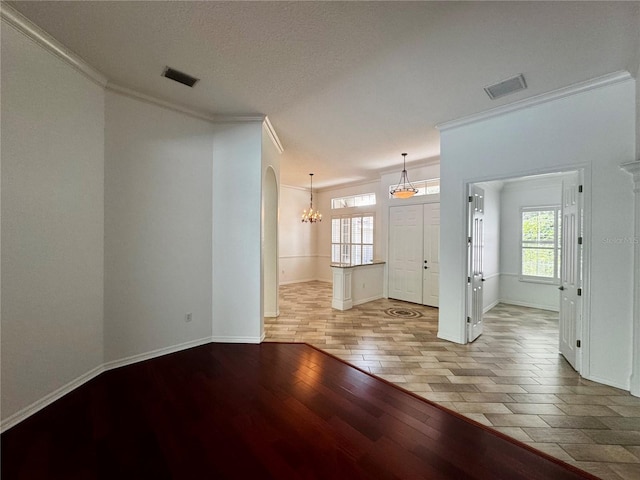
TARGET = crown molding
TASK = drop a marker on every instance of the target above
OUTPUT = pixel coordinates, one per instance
(216, 119)
(294, 187)
(598, 82)
(355, 183)
(273, 135)
(29, 29)
(237, 118)
(128, 92)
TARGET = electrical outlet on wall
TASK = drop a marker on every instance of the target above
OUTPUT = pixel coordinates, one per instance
(188, 317)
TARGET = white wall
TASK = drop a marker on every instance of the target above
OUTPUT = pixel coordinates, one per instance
(237, 205)
(515, 195)
(594, 129)
(297, 240)
(52, 223)
(367, 282)
(158, 221)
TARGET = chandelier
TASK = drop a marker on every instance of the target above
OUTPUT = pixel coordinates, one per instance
(404, 189)
(309, 216)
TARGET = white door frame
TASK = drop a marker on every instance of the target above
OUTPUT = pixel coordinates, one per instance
(475, 272)
(584, 352)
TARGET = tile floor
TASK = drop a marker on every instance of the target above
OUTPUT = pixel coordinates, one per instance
(511, 378)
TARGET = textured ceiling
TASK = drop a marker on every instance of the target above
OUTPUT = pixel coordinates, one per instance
(348, 86)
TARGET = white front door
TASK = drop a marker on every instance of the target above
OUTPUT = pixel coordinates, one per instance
(431, 249)
(476, 271)
(405, 253)
(570, 310)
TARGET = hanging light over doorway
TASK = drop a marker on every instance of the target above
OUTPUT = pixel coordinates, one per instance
(404, 189)
(311, 216)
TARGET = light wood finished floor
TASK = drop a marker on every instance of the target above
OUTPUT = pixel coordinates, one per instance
(512, 378)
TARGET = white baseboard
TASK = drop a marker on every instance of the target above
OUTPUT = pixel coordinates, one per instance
(490, 306)
(530, 305)
(232, 339)
(140, 357)
(272, 314)
(366, 300)
(606, 381)
(38, 405)
(301, 280)
(450, 337)
(342, 304)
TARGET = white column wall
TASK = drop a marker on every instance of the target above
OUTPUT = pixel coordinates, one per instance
(52, 224)
(158, 221)
(270, 210)
(595, 129)
(237, 231)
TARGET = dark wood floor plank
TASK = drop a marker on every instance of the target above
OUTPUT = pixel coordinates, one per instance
(257, 411)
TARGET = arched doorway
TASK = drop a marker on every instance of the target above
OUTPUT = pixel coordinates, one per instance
(269, 245)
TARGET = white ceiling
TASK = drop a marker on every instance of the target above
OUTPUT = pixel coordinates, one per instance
(348, 86)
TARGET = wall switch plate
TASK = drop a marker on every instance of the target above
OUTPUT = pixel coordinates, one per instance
(187, 317)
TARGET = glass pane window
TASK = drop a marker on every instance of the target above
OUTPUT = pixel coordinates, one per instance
(352, 239)
(540, 243)
(335, 230)
(363, 200)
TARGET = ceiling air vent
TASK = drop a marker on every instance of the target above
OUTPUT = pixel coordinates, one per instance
(505, 87)
(179, 77)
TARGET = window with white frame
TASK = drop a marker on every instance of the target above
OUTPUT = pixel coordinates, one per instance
(362, 200)
(352, 239)
(540, 243)
(424, 187)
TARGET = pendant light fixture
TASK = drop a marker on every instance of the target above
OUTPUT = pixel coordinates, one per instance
(404, 189)
(309, 216)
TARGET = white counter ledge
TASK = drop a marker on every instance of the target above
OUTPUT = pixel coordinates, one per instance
(356, 284)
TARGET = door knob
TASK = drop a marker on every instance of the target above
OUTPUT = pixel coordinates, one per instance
(425, 261)
(425, 267)
(560, 287)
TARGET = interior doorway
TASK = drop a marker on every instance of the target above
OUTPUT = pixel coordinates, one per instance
(529, 251)
(270, 244)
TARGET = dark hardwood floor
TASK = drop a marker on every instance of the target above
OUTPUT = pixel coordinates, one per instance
(257, 411)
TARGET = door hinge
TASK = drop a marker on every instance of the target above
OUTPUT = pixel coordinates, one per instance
(468, 319)
(468, 239)
(579, 188)
(579, 240)
(468, 279)
(579, 292)
(578, 343)
(470, 199)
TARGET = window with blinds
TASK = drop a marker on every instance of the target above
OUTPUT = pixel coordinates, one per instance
(352, 239)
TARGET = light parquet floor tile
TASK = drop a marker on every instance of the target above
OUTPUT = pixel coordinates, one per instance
(511, 378)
